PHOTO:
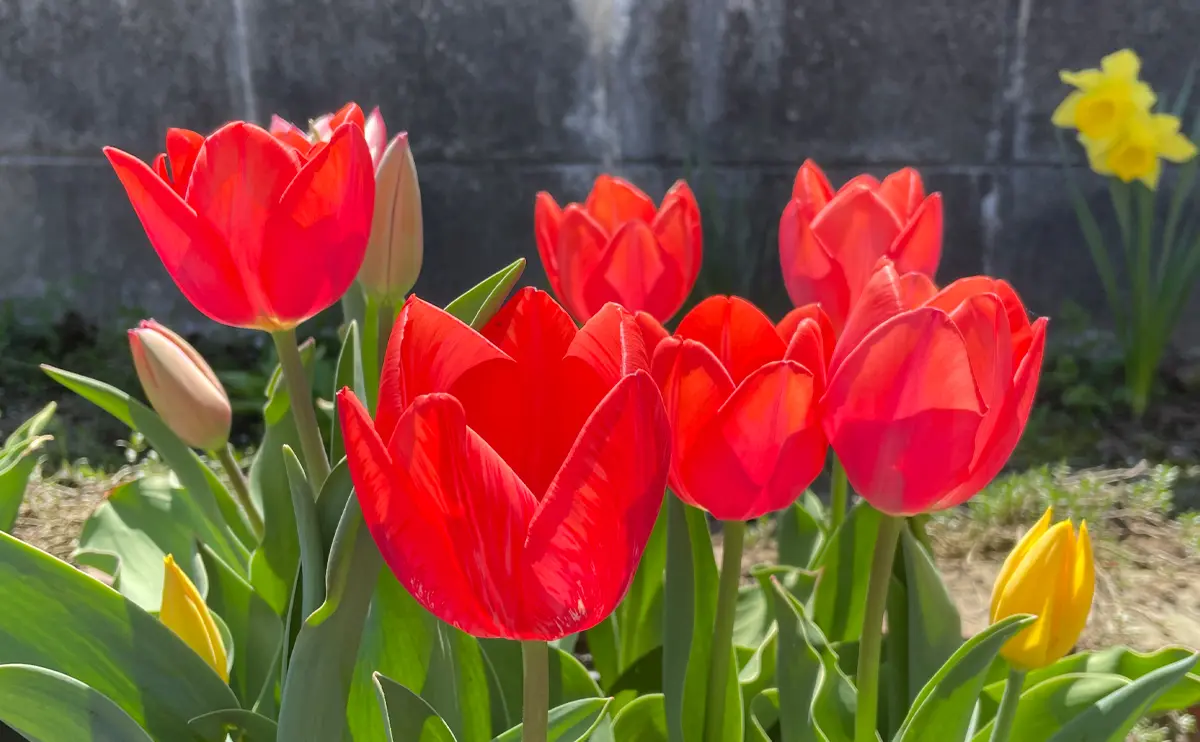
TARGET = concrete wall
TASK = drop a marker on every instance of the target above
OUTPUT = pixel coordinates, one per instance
(507, 97)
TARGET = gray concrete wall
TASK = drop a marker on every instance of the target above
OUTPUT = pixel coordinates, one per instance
(503, 98)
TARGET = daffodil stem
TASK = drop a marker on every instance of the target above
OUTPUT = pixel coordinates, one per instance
(721, 649)
(1002, 726)
(241, 489)
(838, 495)
(535, 720)
(872, 633)
(316, 462)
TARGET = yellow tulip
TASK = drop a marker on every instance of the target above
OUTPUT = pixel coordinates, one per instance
(1134, 153)
(1104, 98)
(1050, 574)
(184, 612)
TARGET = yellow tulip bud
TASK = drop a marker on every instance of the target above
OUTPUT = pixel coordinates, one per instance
(396, 248)
(181, 386)
(184, 612)
(1050, 574)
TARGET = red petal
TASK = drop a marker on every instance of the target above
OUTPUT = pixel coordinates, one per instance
(349, 113)
(902, 411)
(614, 201)
(762, 449)
(862, 180)
(984, 327)
(429, 351)
(161, 170)
(590, 530)
(653, 332)
(1018, 321)
(903, 191)
(886, 295)
(811, 188)
(637, 273)
(318, 234)
(581, 243)
(280, 125)
(375, 132)
(611, 345)
(856, 228)
(195, 256)
(736, 332)
(546, 219)
(791, 322)
(183, 147)
(810, 348)
(678, 222)
(919, 246)
(811, 276)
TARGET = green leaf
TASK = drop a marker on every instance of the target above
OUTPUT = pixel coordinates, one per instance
(439, 663)
(801, 529)
(759, 672)
(691, 602)
(764, 717)
(644, 676)
(943, 708)
(1046, 707)
(338, 536)
(408, 717)
(1111, 718)
(253, 727)
(47, 706)
(642, 720)
(570, 722)
(639, 615)
(312, 554)
(479, 303)
(606, 654)
(569, 680)
(349, 374)
(933, 626)
(58, 618)
(840, 599)
(17, 462)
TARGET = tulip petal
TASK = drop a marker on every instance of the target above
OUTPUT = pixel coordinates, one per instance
(857, 228)
(587, 536)
(1018, 321)
(194, 254)
(611, 345)
(1074, 598)
(886, 295)
(791, 322)
(811, 188)
(904, 192)
(984, 325)
(808, 348)
(581, 244)
(375, 132)
(1032, 589)
(318, 234)
(1015, 558)
(182, 148)
(737, 333)
(902, 410)
(546, 218)
(918, 248)
(638, 273)
(763, 447)
(678, 229)
(615, 201)
(653, 332)
(810, 274)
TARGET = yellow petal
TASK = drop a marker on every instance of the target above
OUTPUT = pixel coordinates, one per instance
(1075, 597)
(1016, 557)
(1123, 64)
(1143, 96)
(1064, 116)
(184, 612)
(1032, 589)
(1083, 79)
(1150, 177)
(1097, 151)
(1170, 143)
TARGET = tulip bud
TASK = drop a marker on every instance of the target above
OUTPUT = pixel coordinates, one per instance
(396, 247)
(181, 387)
(184, 612)
(1050, 574)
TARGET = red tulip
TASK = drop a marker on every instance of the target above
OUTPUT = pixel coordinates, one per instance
(322, 129)
(254, 232)
(930, 390)
(829, 242)
(743, 407)
(617, 247)
(511, 477)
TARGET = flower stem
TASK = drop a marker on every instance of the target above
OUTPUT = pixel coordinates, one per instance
(839, 491)
(241, 489)
(872, 633)
(1002, 727)
(721, 648)
(536, 711)
(316, 463)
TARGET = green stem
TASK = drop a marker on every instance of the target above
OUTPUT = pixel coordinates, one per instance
(872, 633)
(241, 489)
(721, 649)
(1002, 726)
(535, 719)
(838, 495)
(316, 462)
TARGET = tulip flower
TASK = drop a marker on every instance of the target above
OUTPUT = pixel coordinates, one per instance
(255, 232)
(617, 247)
(322, 128)
(743, 405)
(1050, 574)
(185, 613)
(930, 390)
(181, 386)
(512, 476)
(830, 242)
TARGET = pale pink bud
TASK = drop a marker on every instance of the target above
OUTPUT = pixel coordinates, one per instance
(396, 248)
(181, 386)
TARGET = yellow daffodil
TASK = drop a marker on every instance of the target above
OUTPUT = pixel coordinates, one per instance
(1050, 574)
(184, 612)
(1104, 98)
(1134, 154)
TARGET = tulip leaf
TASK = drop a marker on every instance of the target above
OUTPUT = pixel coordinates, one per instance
(349, 374)
(933, 629)
(441, 664)
(690, 611)
(480, 302)
(254, 626)
(764, 717)
(641, 720)
(801, 531)
(58, 618)
(1111, 718)
(639, 615)
(48, 706)
(1046, 707)
(253, 727)
(840, 599)
(943, 708)
(605, 650)
(570, 722)
(569, 680)
(17, 461)
(643, 676)
(312, 553)
(408, 718)
(338, 536)
(105, 396)
(760, 671)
